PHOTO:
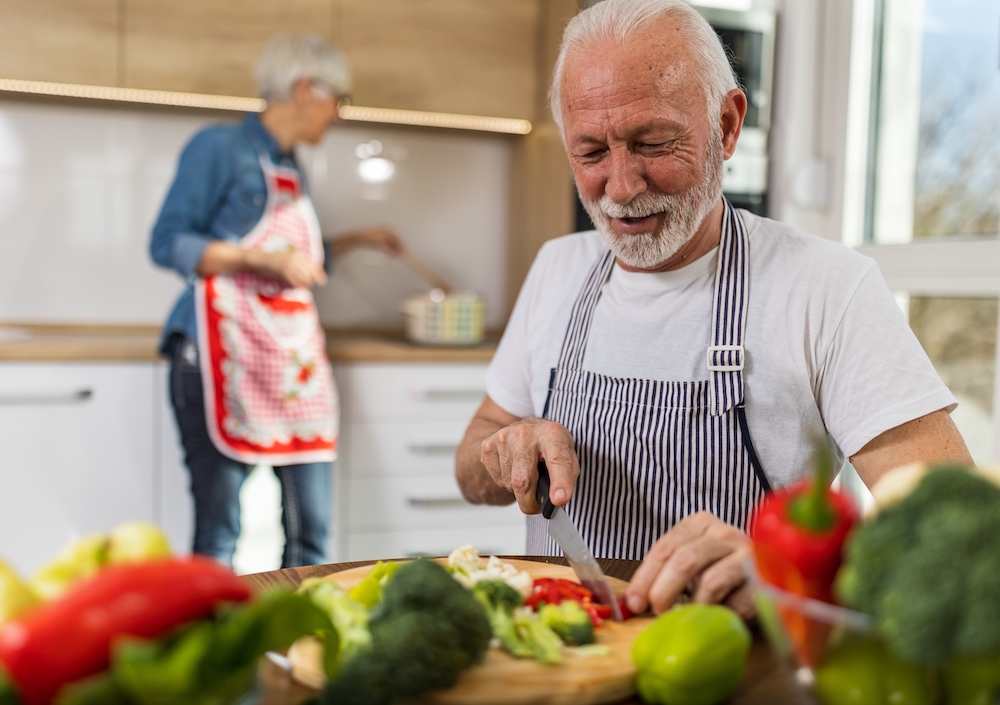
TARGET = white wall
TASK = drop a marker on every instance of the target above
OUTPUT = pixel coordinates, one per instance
(80, 187)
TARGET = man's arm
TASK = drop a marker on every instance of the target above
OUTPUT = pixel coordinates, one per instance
(497, 460)
(929, 440)
(704, 555)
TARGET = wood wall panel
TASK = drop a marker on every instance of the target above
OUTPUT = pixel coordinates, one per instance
(211, 46)
(462, 56)
(66, 41)
(542, 204)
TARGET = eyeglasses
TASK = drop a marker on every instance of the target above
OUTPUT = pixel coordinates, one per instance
(322, 89)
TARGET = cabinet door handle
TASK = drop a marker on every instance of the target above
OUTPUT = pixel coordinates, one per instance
(432, 502)
(447, 394)
(432, 448)
(78, 396)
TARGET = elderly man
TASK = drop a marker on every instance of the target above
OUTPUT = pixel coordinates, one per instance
(676, 364)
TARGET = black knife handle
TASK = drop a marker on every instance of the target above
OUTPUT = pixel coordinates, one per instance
(542, 490)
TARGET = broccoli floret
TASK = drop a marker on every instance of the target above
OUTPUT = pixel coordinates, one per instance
(570, 621)
(349, 617)
(424, 633)
(545, 643)
(927, 569)
(500, 600)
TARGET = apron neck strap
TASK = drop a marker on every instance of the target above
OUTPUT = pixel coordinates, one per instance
(575, 340)
(726, 355)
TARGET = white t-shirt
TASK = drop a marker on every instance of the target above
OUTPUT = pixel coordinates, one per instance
(827, 348)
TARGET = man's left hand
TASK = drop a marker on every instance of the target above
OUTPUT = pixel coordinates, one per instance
(700, 555)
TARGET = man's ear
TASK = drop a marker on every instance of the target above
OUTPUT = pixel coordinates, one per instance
(734, 109)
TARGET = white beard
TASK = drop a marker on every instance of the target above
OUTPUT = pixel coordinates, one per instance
(684, 213)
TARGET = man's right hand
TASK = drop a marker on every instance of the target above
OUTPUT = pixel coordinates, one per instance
(511, 457)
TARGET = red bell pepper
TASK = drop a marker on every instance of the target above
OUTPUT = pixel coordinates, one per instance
(71, 638)
(798, 537)
(554, 590)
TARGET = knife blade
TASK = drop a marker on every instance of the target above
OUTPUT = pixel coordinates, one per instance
(574, 548)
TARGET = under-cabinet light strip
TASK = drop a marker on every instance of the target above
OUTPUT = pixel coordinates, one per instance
(354, 113)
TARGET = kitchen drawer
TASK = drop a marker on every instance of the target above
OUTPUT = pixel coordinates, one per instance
(501, 540)
(399, 393)
(404, 449)
(76, 454)
(417, 504)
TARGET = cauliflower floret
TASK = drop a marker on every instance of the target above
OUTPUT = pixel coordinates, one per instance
(467, 569)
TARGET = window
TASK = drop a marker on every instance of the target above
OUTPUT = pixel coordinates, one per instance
(925, 128)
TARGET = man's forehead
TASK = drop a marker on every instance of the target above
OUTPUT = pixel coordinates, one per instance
(657, 59)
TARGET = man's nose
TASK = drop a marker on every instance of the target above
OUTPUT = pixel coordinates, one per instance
(626, 179)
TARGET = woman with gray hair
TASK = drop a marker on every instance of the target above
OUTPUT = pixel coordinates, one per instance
(250, 382)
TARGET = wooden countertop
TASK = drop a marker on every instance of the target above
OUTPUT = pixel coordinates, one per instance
(767, 680)
(31, 342)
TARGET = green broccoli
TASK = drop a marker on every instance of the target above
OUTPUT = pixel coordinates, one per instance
(424, 633)
(927, 569)
(349, 617)
(500, 600)
(570, 621)
(545, 643)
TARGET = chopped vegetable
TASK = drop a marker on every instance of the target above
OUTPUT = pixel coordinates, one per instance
(70, 638)
(466, 566)
(570, 621)
(927, 569)
(553, 591)
(349, 617)
(544, 642)
(425, 632)
(500, 600)
(798, 537)
(368, 592)
(692, 654)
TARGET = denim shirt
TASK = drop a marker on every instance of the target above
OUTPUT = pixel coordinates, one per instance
(219, 193)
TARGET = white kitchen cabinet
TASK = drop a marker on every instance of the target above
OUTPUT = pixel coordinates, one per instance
(77, 453)
(396, 490)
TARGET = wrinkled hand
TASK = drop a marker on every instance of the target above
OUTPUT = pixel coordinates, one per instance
(293, 269)
(511, 458)
(702, 555)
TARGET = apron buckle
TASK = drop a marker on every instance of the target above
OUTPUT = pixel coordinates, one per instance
(735, 359)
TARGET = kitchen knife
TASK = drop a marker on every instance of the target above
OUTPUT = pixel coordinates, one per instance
(577, 553)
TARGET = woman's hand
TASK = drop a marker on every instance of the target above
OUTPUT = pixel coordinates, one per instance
(378, 237)
(290, 268)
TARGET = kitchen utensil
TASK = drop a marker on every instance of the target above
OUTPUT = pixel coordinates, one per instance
(437, 318)
(425, 272)
(574, 548)
(502, 679)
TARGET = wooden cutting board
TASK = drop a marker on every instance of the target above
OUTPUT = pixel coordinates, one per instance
(504, 680)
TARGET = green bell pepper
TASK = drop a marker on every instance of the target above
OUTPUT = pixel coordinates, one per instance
(971, 681)
(860, 670)
(691, 655)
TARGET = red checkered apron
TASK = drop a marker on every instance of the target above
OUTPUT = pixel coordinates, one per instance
(269, 392)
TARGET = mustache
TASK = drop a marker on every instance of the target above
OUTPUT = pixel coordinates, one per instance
(641, 206)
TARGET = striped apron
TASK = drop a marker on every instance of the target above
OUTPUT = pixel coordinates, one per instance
(653, 452)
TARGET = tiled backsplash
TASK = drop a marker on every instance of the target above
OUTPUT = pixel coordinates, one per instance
(81, 185)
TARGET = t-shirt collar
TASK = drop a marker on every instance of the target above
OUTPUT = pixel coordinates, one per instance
(664, 281)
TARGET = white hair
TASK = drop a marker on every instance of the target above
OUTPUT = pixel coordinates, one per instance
(619, 20)
(288, 58)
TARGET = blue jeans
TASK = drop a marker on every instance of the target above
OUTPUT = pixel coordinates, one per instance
(216, 480)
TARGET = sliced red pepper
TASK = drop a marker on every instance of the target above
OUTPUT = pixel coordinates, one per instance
(71, 638)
